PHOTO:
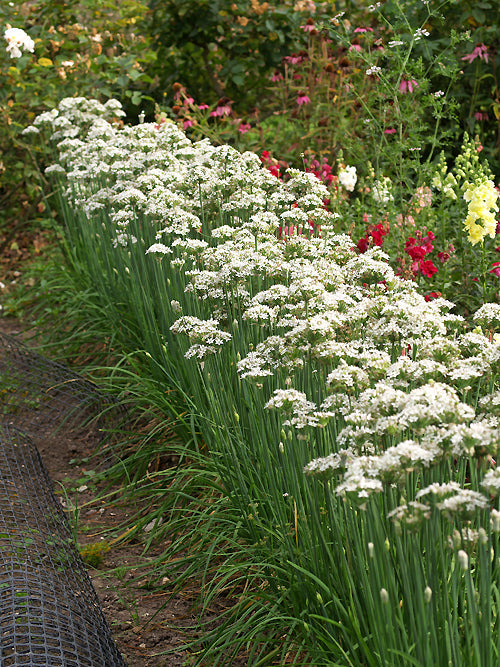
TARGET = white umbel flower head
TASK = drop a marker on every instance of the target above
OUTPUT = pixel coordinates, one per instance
(17, 39)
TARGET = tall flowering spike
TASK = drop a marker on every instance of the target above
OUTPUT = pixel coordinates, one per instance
(481, 221)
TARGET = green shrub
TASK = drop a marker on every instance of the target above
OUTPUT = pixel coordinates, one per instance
(226, 48)
(86, 48)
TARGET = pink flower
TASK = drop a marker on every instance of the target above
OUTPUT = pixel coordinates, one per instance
(355, 47)
(244, 127)
(390, 130)
(221, 110)
(480, 51)
(363, 29)
(481, 115)
(187, 123)
(308, 27)
(303, 99)
(407, 86)
(202, 107)
(277, 76)
(188, 101)
(294, 59)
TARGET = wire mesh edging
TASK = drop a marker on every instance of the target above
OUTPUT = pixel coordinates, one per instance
(41, 396)
(49, 611)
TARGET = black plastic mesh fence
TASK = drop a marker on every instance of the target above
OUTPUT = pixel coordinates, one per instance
(49, 611)
(38, 395)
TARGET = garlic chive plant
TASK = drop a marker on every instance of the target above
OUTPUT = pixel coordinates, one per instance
(354, 424)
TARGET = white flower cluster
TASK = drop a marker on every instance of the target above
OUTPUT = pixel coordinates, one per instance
(18, 40)
(348, 178)
(393, 371)
(204, 335)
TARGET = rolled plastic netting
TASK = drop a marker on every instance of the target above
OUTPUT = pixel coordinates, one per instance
(41, 396)
(49, 611)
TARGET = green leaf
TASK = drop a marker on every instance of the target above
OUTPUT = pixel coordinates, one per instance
(136, 97)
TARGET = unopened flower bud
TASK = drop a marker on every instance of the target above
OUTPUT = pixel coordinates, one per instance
(371, 549)
(384, 596)
(463, 559)
(427, 594)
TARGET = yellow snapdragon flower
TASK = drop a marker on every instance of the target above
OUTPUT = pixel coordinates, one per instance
(481, 221)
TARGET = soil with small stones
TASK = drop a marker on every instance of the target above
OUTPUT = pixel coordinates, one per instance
(149, 626)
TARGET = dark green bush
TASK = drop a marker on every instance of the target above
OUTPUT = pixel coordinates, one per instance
(88, 49)
(226, 48)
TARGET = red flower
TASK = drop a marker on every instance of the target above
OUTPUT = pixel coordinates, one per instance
(378, 234)
(362, 244)
(417, 253)
(428, 269)
(432, 295)
(443, 257)
(496, 269)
